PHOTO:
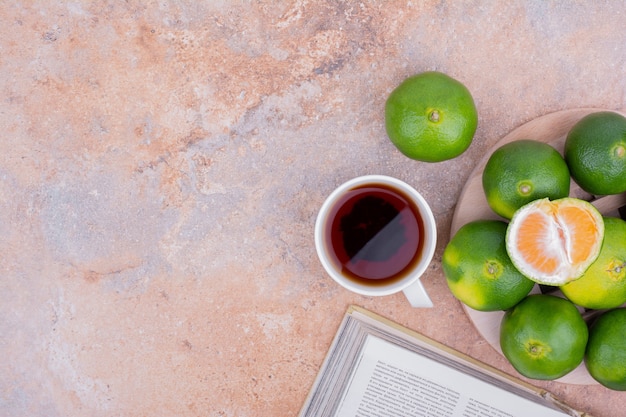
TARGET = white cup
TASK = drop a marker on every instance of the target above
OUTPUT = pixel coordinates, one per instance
(408, 280)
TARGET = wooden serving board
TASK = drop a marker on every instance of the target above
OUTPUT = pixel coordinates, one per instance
(472, 205)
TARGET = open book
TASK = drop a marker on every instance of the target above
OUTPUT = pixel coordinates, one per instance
(377, 368)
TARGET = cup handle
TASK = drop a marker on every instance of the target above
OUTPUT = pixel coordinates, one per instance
(417, 296)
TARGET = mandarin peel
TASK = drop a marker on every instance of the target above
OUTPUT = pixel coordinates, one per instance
(434, 116)
(617, 270)
(524, 188)
(537, 349)
(492, 269)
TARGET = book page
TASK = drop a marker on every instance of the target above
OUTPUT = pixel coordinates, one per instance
(392, 381)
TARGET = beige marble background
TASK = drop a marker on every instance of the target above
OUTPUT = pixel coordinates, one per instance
(162, 164)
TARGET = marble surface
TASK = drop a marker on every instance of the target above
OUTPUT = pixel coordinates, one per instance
(162, 164)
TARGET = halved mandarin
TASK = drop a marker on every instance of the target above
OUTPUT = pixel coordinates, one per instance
(554, 242)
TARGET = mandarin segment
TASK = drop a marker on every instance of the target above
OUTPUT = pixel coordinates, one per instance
(582, 224)
(534, 242)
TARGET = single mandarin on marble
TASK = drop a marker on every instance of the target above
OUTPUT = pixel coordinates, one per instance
(431, 117)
